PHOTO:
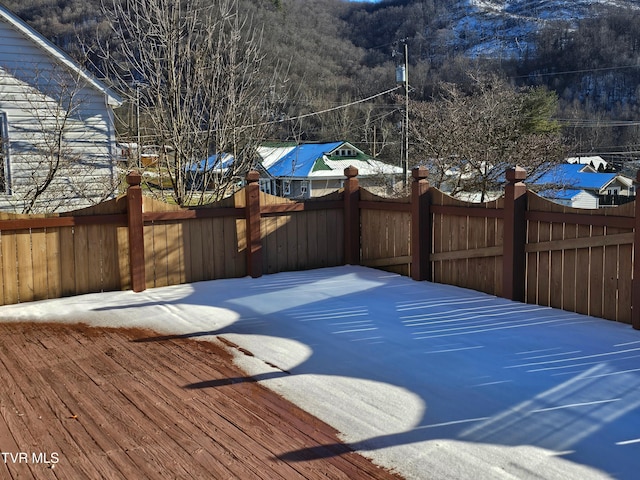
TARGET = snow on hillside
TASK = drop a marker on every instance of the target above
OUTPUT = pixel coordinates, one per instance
(505, 29)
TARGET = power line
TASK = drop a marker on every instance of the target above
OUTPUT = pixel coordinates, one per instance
(327, 110)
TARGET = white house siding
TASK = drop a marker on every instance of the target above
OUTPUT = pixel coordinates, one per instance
(35, 86)
(584, 200)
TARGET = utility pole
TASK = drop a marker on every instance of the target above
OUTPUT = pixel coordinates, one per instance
(406, 115)
(402, 77)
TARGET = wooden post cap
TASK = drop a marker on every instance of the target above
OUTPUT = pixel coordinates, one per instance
(252, 176)
(350, 171)
(516, 174)
(419, 173)
(134, 179)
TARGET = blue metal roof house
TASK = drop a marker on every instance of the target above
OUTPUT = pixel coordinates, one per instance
(580, 186)
(314, 169)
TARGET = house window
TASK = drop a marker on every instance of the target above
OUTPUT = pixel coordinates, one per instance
(4, 154)
(286, 187)
(304, 186)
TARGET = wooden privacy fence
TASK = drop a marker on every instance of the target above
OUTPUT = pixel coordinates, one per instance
(520, 247)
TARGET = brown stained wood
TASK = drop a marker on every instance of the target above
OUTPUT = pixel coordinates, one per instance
(302, 253)
(323, 241)
(194, 253)
(583, 273)
(292, 242)
(128, 404)
(556, 265)
(83, 259)
(233, 258)
(96, 249)
(122, 236)
(596, 276)
(204, 248)
(532, 264)
(313, 233)
(219, 246)
(161, 248)
(569, 280)
(610, 284)
(25, 265)
(110, 253)
(282, 242)
(333, 243)
(39, 258)
(175, 254)
(66, 246)
(544, 266)
(150, 255)
(54, 284)
(187, 253)
(625, 274)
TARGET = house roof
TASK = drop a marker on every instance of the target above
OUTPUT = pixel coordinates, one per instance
(319, 160)
(575, 176)
(217, 161)
(565, 194)
(595, 160)
(60, 56)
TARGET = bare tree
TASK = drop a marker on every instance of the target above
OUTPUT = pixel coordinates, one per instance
(59, 161)
(469, 138)
(195, 71)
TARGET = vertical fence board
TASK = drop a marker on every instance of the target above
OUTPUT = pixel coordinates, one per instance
(610, 284)
(96, 248)
(556, 262)
(625, 275)
(122, 235)
(10, 267)
(25, 266)
(219, 254)
(302, 241)
(53, 266)
(150, 256)
(533, 261)
(583, 273)
(596, 277)
(39, 256)
(544, 261)
(569, 271)
(66, 247)
(110, 264)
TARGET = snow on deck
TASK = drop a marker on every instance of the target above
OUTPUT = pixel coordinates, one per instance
(431, 380)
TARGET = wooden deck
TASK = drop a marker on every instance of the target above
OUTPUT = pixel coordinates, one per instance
(80, 402)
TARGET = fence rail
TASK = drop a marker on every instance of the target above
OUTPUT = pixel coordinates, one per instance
(521, 247)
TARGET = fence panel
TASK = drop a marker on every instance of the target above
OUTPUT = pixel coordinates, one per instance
(385, 232)
(580, 260)
(301, 235)
(467, 243)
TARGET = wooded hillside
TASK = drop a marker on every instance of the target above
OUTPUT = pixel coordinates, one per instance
(337, 52)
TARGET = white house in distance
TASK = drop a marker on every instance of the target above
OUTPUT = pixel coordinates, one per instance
(580, 186)
(300, 171)
(57, 135)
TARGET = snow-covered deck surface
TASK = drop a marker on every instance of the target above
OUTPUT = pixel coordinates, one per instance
(430, 380)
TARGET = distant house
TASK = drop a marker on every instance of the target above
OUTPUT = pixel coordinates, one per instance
(315, 169)
(598, 163)
(580, 186)
(57, 134)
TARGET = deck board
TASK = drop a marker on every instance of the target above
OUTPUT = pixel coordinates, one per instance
(117, 403)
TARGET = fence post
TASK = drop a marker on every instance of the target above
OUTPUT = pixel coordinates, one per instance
(252, 214)
(420, 225)
(136, 232)
(351, 217)
(515, 225)
(635, 285)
